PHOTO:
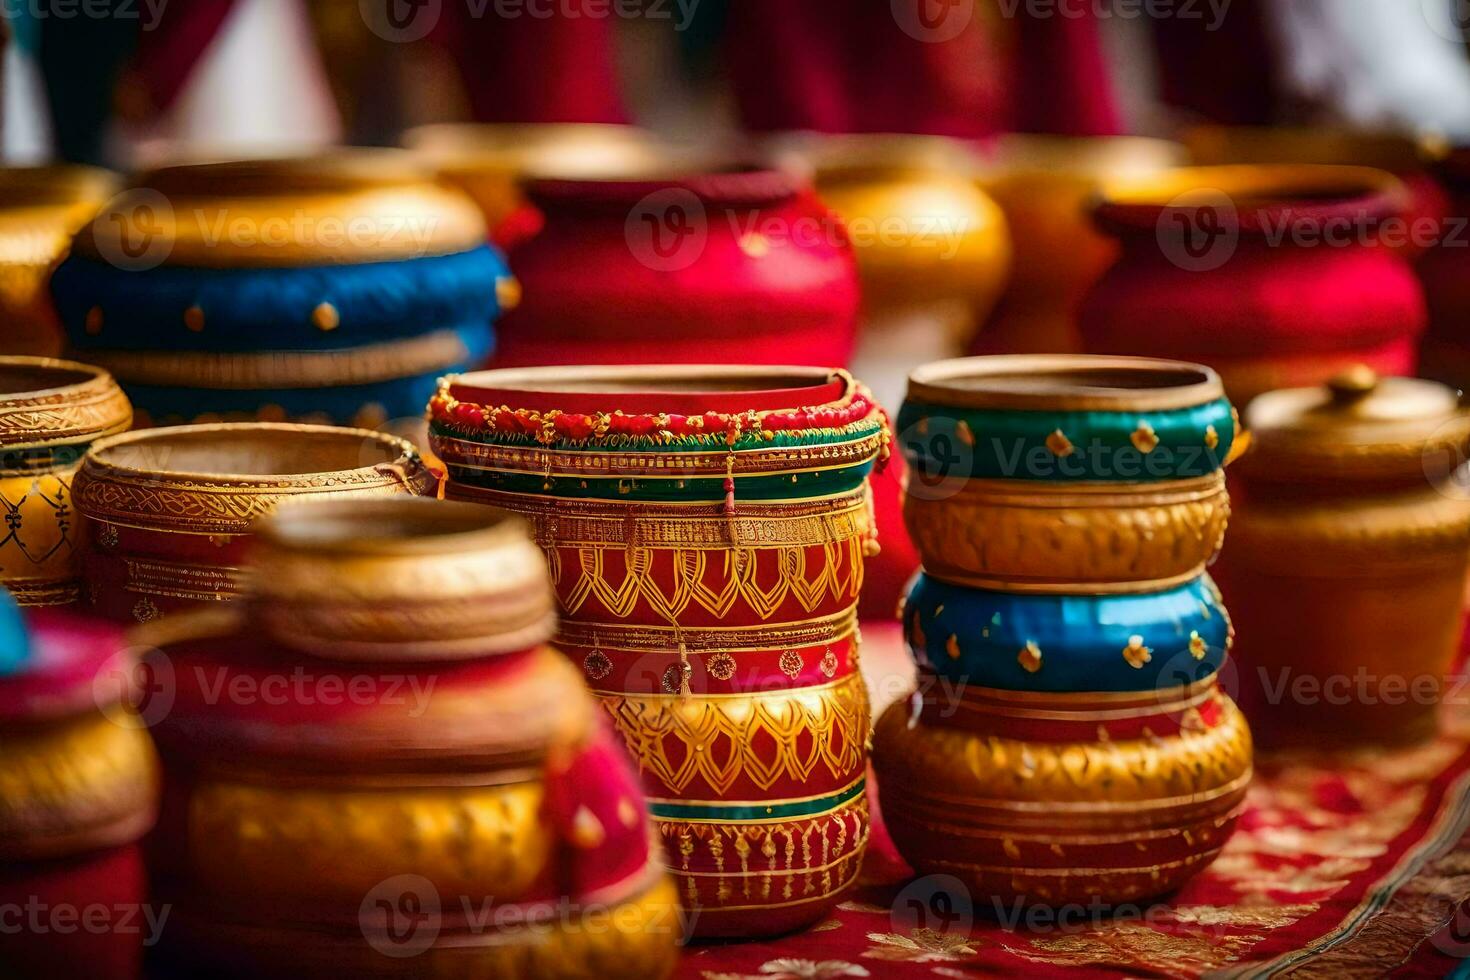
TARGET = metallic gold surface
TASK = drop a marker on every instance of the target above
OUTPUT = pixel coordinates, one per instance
(769, 738)
(1109, 821)
(389, 579)
(346, 206)
(252, 840)
(74, 785)
(1043, 184)
(217, 479)
(50, 410)
(924, 230)
(632, 936)
(1065, 383)
(40, 209)
(1070, 537)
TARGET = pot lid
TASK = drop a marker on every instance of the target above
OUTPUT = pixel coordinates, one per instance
(1358, 426)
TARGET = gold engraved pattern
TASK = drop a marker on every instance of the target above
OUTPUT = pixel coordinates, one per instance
(801, 732)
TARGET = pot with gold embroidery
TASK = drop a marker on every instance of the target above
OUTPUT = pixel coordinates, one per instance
(706, 528)
(1068, 639)
(50, 412)
(447, 805)
(169, 511)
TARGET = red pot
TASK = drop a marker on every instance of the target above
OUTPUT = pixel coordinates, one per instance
(1274, 276)
(714, 267)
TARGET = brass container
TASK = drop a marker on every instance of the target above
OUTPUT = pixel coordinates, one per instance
(933, 249)
(489, 161)
(1347, 559)
(170, 511)
(50, 412)
(1044, 185)
(459, 767)
(40, 209)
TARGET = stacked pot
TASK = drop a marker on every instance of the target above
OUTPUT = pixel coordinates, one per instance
(50, 412)
(169, 511)
(1068, 741)
(401, 776)
(327, 289)
(80, 789)
(706, 528)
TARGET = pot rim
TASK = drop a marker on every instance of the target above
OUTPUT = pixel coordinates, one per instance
(92, 392)
(688, 388)
(99, 467)
(355, 527)
(1397, 151)
(1049, 156)
(338, 170)
(90, 376)
(714, 181)
(1258, 196)
(980, 382)
(54, 186)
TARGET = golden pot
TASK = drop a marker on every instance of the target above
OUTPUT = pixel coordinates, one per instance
(1347, 559)
(1043, 184)
(488, 161)
(40, 209)
(50, 412)
(485, 826)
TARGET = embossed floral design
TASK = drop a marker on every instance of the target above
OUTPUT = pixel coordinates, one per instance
(791, 664)
(920, 946)
(828, 666)
(597, 665)
(107, 535)
(675, 677)
(144, 610)
(721, 666)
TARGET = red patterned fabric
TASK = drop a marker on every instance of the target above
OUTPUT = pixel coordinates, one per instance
(835, 66)
(1346, 864)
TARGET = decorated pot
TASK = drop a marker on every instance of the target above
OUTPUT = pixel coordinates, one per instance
(40, 209)
(332, 289)
(400, 776)
(489, 161)
(706, 528)
(1069, 741)
(1045, 185)
(169, 511)
(1347, 561)
(690, 263)
(1274, 276)
(1402, 154)
(50, 412)
(932, 247)
(1446, 349)
(80, 789)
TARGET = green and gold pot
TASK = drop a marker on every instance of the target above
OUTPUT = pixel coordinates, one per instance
(1068, 741)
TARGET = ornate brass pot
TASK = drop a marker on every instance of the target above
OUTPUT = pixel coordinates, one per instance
(400, 775)
(1068, 741)
(322, 289)
(1347, 561)
(40, 209)
(50, 412)
(1045, 185)
(169, 511)
(706, 528)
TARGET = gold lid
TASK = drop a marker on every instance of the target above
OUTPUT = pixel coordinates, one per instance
(349, 205)
(401, 578)
(533, 150)
(1357, 426)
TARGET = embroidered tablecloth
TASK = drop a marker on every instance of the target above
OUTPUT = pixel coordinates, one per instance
(1345, 864)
